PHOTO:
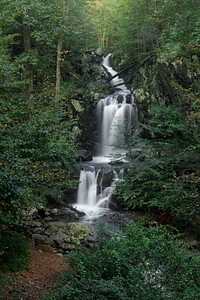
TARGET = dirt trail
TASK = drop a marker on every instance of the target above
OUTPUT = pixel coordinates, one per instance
(40, 276)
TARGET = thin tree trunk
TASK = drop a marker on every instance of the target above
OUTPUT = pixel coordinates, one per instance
(63, 8)
(58, 65)
(28, 69)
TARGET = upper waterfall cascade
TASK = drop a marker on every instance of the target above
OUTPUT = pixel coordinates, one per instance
(115, 114)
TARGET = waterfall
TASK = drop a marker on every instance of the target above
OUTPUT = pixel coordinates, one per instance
(87, 191)
(116, 115)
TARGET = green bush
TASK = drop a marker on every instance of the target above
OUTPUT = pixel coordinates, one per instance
(135, 263)
(14, 251)
(164, 175)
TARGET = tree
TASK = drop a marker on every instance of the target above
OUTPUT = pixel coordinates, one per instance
(180, 27)
(38, 141)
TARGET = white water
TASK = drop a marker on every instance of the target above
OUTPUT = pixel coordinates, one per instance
(87, 191)
(95, 204)
(116, 114)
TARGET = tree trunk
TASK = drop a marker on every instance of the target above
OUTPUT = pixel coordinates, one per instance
(63, 7)
(28, 69)
(58, 64)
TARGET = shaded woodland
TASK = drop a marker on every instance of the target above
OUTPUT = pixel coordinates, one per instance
(50, 82)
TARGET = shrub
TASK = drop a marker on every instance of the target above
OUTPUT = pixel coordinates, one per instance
(135, 263)
(14, 251)
(164, 174)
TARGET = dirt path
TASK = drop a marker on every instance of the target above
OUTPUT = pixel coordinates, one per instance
(40, 276)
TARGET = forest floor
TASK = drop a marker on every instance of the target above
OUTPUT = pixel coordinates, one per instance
(39, 277)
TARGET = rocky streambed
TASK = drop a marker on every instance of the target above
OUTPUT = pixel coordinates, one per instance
(63, 229)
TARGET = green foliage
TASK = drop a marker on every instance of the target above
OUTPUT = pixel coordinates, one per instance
(14, 251)
(135, 263)
(37, 156)
(133, 29)
(38, 133)
(164, 174)
(172, 125)
(180, 27)
(43, 23)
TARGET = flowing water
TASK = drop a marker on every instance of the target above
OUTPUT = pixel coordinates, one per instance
(116, 115)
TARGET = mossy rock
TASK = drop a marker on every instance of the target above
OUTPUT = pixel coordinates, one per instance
(74, 233)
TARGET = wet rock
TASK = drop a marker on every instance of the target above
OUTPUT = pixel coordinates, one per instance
(115, 203)
(59, 228)
(34, 223)
(64, 236)
(129, 98)
(49, 218)
(120, 99)
(61, 233)
(74, 213)
(57, 240)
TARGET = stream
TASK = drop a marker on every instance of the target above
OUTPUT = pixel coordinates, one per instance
(116, 114)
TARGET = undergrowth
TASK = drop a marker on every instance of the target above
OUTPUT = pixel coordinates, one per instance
(134, 263)
(14, 250)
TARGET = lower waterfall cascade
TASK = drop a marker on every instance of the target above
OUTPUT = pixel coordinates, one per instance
(115, 114)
